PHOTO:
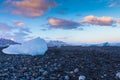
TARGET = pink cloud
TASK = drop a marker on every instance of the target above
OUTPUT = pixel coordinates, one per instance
(31, 8)
(102, 21)
(118, 21)
(19, 23)
(62, 23)
(7, 31)
(17, 36)
(21, 26)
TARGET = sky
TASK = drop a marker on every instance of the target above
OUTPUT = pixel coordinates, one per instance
(71, 21)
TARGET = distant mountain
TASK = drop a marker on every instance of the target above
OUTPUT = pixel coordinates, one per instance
(106, 44)
(7, 42)
(56, 43)
(61, 43)
(115, 44)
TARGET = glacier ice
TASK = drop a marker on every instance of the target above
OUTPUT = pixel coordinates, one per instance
(35, 46)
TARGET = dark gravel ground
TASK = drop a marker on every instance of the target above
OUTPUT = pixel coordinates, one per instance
(65, 63)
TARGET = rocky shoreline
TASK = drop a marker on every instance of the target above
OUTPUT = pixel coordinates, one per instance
(65, 63)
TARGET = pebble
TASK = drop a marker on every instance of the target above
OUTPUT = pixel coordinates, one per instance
(39, 78)
(118, 75)
(67, 77)
(64, 66)
(76, 70)
(82, 77)
(45, 73)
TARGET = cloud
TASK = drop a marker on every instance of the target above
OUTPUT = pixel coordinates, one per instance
(17, 36)
(62, 12)
(102, 21)
(63, 38)
(5, 28)
(62, 23)
(31, 8)
(20, 36)
(21, 26)
(118, 21)
(19, 23)
(13, 32)
(109, 3)
(114, 3)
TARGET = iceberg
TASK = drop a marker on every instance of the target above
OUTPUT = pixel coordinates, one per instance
(35, 46)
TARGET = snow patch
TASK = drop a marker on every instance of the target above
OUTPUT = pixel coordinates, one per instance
(35, 46)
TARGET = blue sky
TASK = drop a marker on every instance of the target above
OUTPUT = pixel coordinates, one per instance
(71, 21)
